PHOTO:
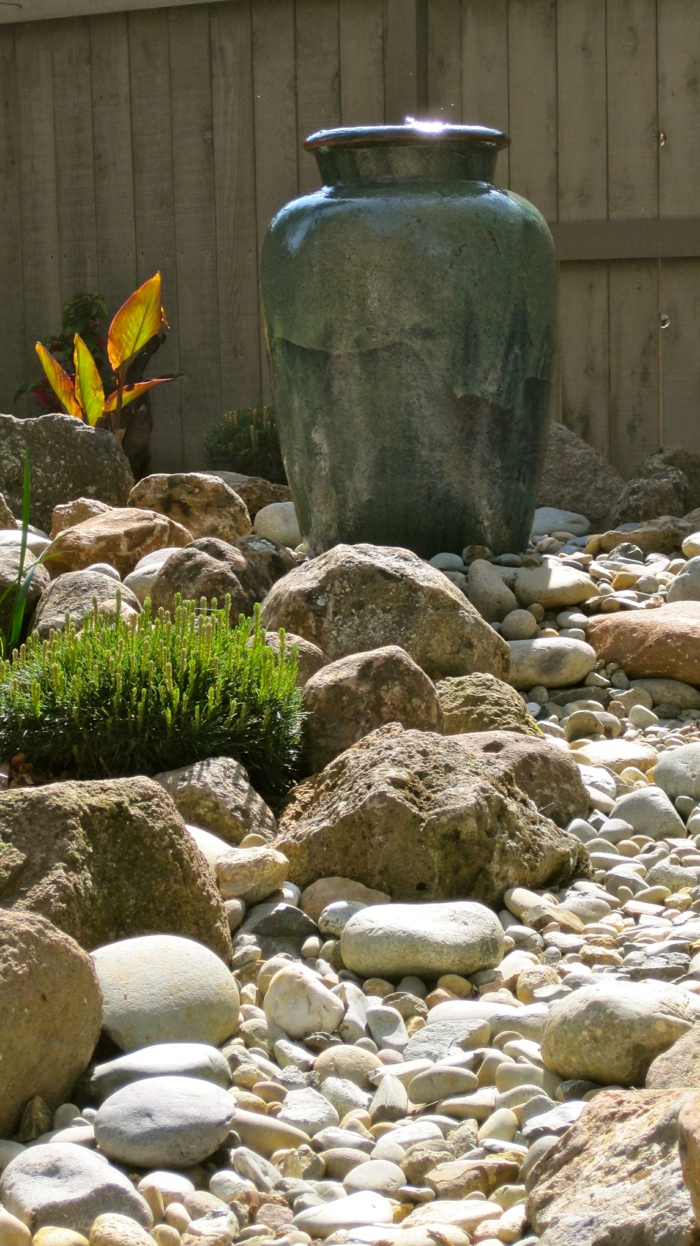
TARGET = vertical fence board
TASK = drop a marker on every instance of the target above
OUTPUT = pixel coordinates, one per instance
(114, 172)
(679, 106)
(14, 365)
(234, 189)
(634, 363)
(485, 70)
(680, 300)
(401, 54)
(633, 149)
(532, 62)
(318, 78)
(361, 31)
(154, 207)
(75, 172)
(583, 190)
(583, 351)
(445, 60)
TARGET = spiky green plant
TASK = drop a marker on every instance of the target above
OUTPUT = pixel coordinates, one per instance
(139, 697)
(247, 441)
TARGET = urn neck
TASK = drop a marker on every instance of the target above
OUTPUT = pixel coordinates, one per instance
(413, 152)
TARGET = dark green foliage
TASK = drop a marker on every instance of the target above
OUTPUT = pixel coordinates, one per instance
(119, 699)
(84, 314)
(246, 441)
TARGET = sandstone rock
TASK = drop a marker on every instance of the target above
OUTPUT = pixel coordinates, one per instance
(111, 1229)
(325, 891)
(216, 795)
(74, 594)
(199, 1060)
(209, 568)
(615, 1177)
(120, 537)
(488, 592)
(68, 460)
(352, 696)
(663, 643)
(359, 597)
(553, 661)
(544, 772)
(678, 771)
(423, 939)
(689, 1148)
(105, 860)
(68, 514)
(679, 1066)
(50, 1014)
(68, 1187)
(618, 755)
(309, 657)
(253, 490)
(251, 874)
(9, 570)
(554, 586)
(203, 504)
(164, 1122)
(664, 493)
(278, 520)
(298, 1002)
(575, 476)
(413, 813)
(164, 989)
(610, 1032)
(7, 519)
(482, 703)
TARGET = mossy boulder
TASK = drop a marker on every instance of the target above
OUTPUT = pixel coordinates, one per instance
(482, 702)
(107, 860)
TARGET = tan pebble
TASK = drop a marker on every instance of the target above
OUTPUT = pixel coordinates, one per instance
(461, 987)
(270, 1092)
(359, 1115)
(165, 1235)
(112, 1229)
(177, 1216)
(155, 1201)
(173, 1186)
(414, 1024)
(49, 1235)
(377, 986)
(531, 978)
(12, 1231)
(439, 997)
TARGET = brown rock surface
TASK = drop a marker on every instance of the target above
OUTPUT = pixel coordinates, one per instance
(679, 1067)
(615, 1177)
(577, 478)
(325, 891)
(73, 594)
(120, 536)
(685, 460)
(203, 504)
(271, 560)
(107, 860)
(9, 570)
(664, 643)
(359, 597)
(664, 535)
(50, 1014)
(544, 772)
(663, 493)
(254, 490)
(210, 568)
(689, 1149)
(349, 698)
(309, 657)
(216, 795)
(68, 514)
(7, 519)
(414, 814)
(483, 703)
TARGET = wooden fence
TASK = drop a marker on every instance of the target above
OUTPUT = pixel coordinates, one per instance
(168, 137)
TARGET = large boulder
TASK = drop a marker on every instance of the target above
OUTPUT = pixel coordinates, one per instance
(105, 860)
(68, 459)
(210, 568)
(351, 697)
(9, 571)
(664, 492)
(687, 461)
(483, 703)
(359, 597)
(577, 478)
(68, 514)
(542, 770)
(120, 537)
(414, 814)
(615, 1177)
(203, 504)
(679, 1066)
(663, 643)
(50, 1014)
(216, 795)
(73, 595)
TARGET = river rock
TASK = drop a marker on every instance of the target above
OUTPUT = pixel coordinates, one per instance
(678, 771)
(74, 594)
(542, 770)
(548, 519)
(488, 592)
(575, 476)
(111, 1229)
(352, 1212)
(50, 1014)
(662, 643)
(251, 874)
(610, 1032)
(349, 698)
(68, 1187)
(358, 597)
(662, 691)
(367, 815)
(68, 460)
(120, 537)
(428, 940)
(199, 1060)
(164, 989)
(618, 755)
(298, 1002)
(438, 1038)
(650, 812)
(213, 569)
(350, 1063)
(325, 891)
(266, 1134)
(216, 795)
(307, 1110)
(380, 1175)
(482, 703)
(554, 586)
(105, 860)
(140, 580)
(686, 585)
(615, 1177)
(552, 661)
(203, 504)
(9, 572)
(278, 521)
(164, 1122)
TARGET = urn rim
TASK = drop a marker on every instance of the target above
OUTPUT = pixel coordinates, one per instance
(413, 132)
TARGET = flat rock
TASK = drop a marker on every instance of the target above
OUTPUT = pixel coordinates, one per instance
(543, 771)
(203, 504)
(359, 597)
(548, 519)
(552, 661)
(428, 940)
(479, 702)
(618, 755)
(164, 1122)
(438, 1038)
(398, 811)
(216, 795)
(356, 1210)
(308, 1110)
(119, 537)
(68, 1187)
(163, 989)
(662, 643)
(554, 586)
(182, 1059)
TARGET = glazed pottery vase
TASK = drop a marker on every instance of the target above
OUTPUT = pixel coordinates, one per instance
(410, 312)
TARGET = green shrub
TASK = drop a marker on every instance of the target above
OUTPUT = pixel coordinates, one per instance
(247, 441)
(122, 698)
